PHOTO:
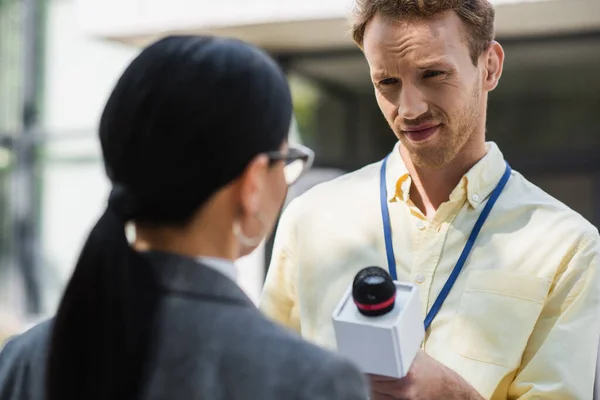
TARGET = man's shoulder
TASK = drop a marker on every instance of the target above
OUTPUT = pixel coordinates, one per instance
(544, 210)
(369, 174)
(352, 187)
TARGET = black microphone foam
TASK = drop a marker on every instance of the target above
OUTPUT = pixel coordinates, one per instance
(373, 291)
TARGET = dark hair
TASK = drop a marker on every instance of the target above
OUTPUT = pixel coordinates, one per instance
(476, 15)
(185, 119)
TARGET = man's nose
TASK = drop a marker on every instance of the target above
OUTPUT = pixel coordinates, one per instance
(411, 103)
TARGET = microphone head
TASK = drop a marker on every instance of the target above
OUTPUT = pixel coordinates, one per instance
(373, 291)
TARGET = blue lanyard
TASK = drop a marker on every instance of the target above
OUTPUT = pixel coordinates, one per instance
(389, 249)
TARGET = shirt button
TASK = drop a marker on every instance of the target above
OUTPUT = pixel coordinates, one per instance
(475, 198)
(421, 225)
(420, 278)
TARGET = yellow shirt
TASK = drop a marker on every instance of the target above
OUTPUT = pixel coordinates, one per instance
(522, 320)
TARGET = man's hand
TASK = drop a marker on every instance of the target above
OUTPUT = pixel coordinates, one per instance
(427, 379)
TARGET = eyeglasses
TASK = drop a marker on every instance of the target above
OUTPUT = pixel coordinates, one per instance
(298, 159)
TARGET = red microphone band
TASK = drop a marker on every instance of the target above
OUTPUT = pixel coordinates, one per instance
(378, 306)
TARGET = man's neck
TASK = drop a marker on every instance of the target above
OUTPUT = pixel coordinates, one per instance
(432, 187)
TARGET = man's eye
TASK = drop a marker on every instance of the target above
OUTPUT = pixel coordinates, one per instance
(432, 74)
(388, 81)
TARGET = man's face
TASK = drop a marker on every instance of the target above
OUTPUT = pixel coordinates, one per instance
(426, 85)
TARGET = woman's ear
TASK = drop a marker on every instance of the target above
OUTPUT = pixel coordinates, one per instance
(251, 183)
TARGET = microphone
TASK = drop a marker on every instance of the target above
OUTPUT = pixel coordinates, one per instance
(374, 292)
(378, 323)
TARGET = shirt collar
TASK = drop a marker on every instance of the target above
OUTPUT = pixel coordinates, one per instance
(225, 267)
(397, 177)
(482, 179)
(479, 181)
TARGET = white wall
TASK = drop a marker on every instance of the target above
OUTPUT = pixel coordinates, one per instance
(291, 25)
(109, 16)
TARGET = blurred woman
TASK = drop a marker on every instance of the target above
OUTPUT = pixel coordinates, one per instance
(194, 140)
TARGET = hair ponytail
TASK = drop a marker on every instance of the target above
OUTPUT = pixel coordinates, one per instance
(104, 322)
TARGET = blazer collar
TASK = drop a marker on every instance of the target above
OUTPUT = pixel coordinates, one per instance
(191, 277)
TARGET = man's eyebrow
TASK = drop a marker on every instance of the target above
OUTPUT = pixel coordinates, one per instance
(379, 74)
(435, 64)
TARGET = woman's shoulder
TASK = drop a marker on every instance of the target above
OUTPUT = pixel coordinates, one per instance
(288, 362)
(23, 362)
(266, 360)
(27, 342)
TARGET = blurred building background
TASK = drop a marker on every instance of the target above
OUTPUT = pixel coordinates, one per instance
(60, 58)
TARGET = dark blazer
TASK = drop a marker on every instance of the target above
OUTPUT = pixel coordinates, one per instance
(212, 343)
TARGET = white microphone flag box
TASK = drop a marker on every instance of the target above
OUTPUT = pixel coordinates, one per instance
(385, 345)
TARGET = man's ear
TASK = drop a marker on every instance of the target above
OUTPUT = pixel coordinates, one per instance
(492, 63)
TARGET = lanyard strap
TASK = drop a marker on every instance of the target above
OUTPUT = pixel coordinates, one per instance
(389, 248)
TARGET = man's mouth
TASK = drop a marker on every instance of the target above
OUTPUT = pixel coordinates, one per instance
(421, 132)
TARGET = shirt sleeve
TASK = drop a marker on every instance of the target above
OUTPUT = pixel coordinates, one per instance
(560, 359)
(278, 299)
